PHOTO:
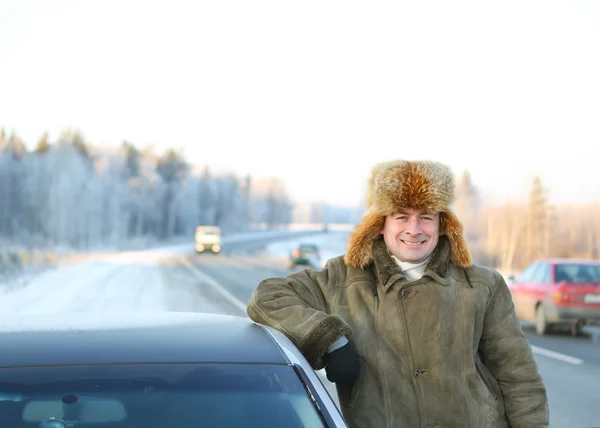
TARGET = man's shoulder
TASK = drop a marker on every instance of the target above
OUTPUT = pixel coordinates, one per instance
(337, 265)
(484, 275)
(343, 272)
(337, 260)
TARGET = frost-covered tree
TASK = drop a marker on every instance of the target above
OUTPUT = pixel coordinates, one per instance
(70, 193)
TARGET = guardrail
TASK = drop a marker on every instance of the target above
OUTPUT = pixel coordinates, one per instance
(259, 236)
(341, 227)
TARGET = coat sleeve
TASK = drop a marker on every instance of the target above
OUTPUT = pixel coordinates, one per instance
(298, 306)
(506, 352)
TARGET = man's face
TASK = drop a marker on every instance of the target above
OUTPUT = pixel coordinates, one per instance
(410, 234)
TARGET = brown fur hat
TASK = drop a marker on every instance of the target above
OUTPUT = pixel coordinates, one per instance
(407, 184)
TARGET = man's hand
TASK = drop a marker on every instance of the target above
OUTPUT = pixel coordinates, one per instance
(343, 365)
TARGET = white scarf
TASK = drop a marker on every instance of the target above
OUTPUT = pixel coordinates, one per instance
(412, 271)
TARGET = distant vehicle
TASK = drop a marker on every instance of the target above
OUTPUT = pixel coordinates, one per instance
(184, 370)
(208, 238)
(558, 292)
(305, 255)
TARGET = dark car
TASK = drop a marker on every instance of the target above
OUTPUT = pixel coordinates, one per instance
(305, 255)
(558, 292)
(162, 370)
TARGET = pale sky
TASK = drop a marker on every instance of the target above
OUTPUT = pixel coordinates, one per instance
(318, 91)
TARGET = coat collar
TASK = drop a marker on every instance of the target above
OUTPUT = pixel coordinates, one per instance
(387, 271)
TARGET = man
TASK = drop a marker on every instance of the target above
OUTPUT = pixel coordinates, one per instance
(412, 333)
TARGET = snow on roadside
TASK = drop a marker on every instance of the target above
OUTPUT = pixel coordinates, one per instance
(49, 291)
(109, 286)
(149, 280)
(149, 256)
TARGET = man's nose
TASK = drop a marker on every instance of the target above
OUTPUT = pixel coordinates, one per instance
(414, 226)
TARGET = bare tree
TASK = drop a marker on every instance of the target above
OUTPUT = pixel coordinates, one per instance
(537, 221)
(467, 206)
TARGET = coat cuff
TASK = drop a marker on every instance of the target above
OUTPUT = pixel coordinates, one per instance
(316, 343)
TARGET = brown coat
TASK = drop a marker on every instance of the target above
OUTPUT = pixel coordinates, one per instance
(446, 350)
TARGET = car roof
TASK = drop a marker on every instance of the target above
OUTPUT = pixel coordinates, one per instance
(208, 229)
(563, 261)
(160, 337)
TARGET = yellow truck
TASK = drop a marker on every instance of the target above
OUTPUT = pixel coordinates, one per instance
(208, 238)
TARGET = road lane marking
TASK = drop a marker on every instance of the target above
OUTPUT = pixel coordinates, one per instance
(557, 355)
(210, 281)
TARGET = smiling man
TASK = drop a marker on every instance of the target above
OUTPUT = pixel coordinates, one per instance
(412, 333)
(411, 235)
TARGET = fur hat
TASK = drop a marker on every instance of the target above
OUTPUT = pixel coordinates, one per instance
(407, 184)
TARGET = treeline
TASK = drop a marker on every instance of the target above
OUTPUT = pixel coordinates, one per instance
(71, 193)
(512, 235)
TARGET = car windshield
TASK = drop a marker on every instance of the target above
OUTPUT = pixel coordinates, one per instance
(165, 395)
(578, 273)
(308, 248)
(207, 232)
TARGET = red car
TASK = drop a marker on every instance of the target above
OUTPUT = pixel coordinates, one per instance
(558, 292)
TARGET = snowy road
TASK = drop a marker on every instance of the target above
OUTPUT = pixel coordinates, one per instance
(156, 280)
(175, 279)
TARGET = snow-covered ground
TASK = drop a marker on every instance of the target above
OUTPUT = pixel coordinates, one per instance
(108, 286)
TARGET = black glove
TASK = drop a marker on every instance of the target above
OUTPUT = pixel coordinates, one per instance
(343, 365)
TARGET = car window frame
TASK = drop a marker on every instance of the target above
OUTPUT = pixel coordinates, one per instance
(542, 274)
(530, 271)
(318, 402)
